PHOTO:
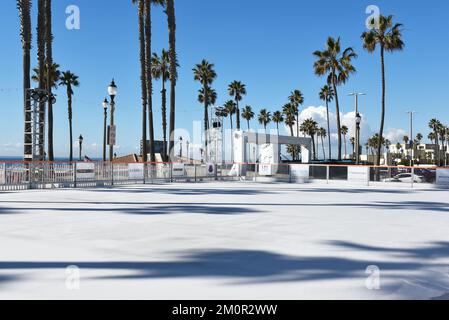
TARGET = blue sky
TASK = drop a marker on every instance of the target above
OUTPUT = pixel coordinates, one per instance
(267, 45)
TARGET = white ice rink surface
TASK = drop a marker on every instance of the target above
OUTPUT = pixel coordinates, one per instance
(225, 241)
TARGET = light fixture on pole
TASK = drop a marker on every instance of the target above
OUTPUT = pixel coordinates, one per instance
(80, 141)
(105, 123)
(112, 90)
(358, 121)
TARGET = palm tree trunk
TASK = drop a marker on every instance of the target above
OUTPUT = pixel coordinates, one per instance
(337, 107)
(143, 78)
(382, 121)
(164, 118)
(41, 34)
(291, 131)
(24, 7)
(238, 114)
(148, 53)
(206, 118)
(172, 42)
(49, 40)
(346, 148)
(313, 147)
(69, 102)
(324, 150)
(248, 125)
(328, 129)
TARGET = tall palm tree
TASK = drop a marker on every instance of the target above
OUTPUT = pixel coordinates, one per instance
(388, 36)
(49, 60)
(69, 80)
(310, 128)
(322, 133)
(24, 7)
(160, 69)
(419, 138)
(278, 118)
(230, 108)
(264, 118)
(149, 78)
(327, 95)
(143, 74)
(337, 65)
(248, 114)
(344, 132)
(41, 43)
(205, 74)
(237, 90)
(290, 116)
(435, 125)
(171, 19)
(296, 99)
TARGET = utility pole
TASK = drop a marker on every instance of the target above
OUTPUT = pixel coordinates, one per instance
(412, 139)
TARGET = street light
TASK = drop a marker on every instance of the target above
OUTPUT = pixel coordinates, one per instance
(412, 140)
(112, 90)
(180, 148)
(105, 121)
(358, 121)
(80, 141)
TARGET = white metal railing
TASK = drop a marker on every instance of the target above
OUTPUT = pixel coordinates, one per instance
(20, 175)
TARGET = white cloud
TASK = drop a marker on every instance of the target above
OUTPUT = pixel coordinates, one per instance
(395, 135)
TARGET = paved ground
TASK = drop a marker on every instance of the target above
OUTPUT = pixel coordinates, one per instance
(225, 241)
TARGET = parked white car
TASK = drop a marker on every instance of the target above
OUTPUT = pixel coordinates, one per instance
(407, 178)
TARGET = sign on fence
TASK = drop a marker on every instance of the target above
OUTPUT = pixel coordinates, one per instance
(135, 171)
(443, 177)
(211, 169)
(358, 174)
(265, 170)
(178, 170)
(85, 171)
(300, 172)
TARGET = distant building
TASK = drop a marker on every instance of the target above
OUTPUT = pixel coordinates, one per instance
(158, 147)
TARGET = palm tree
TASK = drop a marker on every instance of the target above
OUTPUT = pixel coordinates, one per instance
(143, 75)
(49, 59)
(337, 66)
(296, 99)
(389, 38)
(149, 77)
(69, 80)
(435, 125)
(419, 138)
(432, 137)
(322, 133)
(230, 108)
(41, 43)
(205, 74)
(237, 90)
(264, 118)
(24, 7)
(171, 18)
(344, 132)
(160, 70)
(327, 95)
(211, 95)
(55, 75)
(352, 141)
(406, 140)
(290, 117)
(248, 114)
(310, 128)
(278, 118)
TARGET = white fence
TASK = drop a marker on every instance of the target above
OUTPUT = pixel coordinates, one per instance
(18, 175)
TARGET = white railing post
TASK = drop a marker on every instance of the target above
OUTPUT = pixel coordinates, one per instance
(327, 174)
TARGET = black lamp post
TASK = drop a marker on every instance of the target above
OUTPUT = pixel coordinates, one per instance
(358, 121)
(80, 141)
(105, 121)
(112, 90)
(180, 148)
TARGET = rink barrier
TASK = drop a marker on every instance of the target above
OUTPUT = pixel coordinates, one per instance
(18, 175)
